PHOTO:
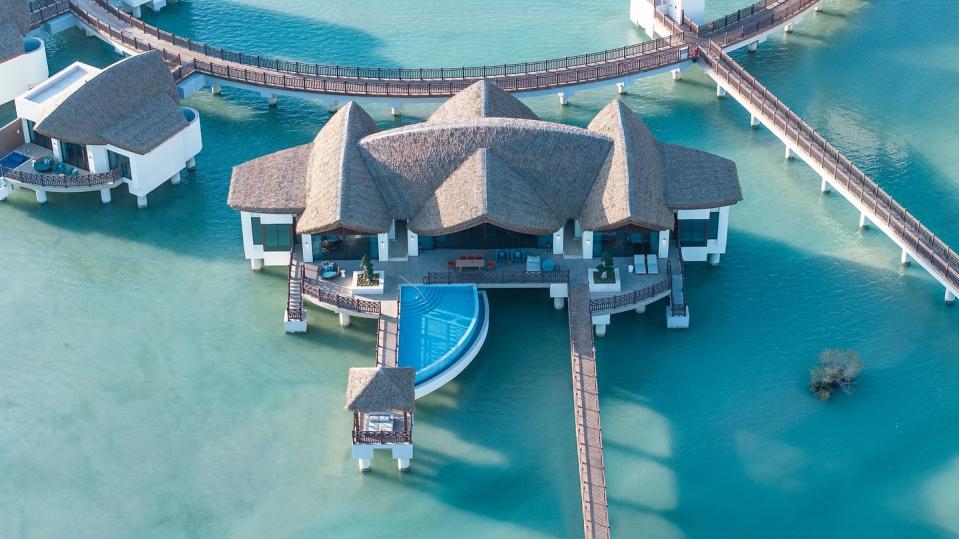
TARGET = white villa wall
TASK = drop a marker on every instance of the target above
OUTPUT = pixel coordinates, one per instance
(255, 252)
(22, 72)
(713, 247)
(163, 162)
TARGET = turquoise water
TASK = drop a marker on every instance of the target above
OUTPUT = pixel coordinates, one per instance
(148, 389)
(436, 325)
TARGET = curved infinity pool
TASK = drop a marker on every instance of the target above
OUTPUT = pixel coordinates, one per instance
(438, 325)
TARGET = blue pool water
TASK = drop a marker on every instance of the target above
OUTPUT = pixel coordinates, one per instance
(14, 160)
(436, 324)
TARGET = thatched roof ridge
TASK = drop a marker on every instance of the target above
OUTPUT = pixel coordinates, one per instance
(132, 104)
(484, 190)
(482, 99)
(380, 389)
(559, 161)
(629, 190)
(340, 191)
(697, 179)
(274, 183)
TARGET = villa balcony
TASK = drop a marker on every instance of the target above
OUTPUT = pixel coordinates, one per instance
(18, 168)
(383, 428)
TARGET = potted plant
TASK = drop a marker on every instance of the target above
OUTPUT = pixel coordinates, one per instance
(367, 280)
(605, 276)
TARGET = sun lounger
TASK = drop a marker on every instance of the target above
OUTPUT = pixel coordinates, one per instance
(533, 263)
(651, 264)
(640, 262)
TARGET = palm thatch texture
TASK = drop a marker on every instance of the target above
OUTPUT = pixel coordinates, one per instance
(133, 105)
(484, 157)
(380, 389)
(14, 24)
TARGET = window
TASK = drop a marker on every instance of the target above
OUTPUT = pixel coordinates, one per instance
(272, 237)
(693, 232)
(713, 225)
(121, 162)
(74, 154)
(37, 138)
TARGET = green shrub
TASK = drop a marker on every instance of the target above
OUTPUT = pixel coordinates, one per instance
(367, 276)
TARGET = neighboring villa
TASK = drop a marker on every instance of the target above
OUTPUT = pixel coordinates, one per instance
(23, 60)
(87, 129)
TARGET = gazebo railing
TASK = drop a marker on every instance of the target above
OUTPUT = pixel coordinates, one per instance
(368, 437)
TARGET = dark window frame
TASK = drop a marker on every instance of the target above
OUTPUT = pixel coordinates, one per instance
(118, 160)
(74, 154)
(272, 237)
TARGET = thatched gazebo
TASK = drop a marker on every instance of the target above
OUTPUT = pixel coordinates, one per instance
(382, 400)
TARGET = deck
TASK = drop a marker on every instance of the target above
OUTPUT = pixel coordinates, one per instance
(589, 431)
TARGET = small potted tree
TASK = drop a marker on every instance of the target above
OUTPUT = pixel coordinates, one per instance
(605, 276)
(836, 369)
(367, 281)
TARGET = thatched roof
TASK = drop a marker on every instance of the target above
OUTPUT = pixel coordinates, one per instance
(484, 190)
(629, 190)
(274, 183)
(698, 180)
(14, 24)
(132, 104)
(484, 158)
(340, 190)
(380, 389)
(481, 100)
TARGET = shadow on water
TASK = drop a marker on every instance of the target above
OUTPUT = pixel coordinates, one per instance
(701, 423)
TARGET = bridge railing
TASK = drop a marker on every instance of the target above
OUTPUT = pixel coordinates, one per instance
(42, 11)
(306, 69)
(930, 247)
(496, 277)
(764, 20)
(60, 180)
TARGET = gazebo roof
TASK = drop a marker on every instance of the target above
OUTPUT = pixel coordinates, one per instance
(380, 389)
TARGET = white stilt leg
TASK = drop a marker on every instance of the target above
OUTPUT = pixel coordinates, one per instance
(950, 297)
(863, 221)
(600, 330)
(272, 100)
(256, 264)
(364, 464)
(175, 179)
(677, 74)
(105, 196)
(753, 46)
(641, 309)
(713, 259)
(396, 110)
(403, 464)
(344, 319)
(191, 163)
(788, 28)
(720, 91)
(41, 197)
(904, 258)
(753, 121)
(564, 98)
(789, 153)
(559, 303)
(136, 12)
(824, 186)
(142, 202)
(215, 89)
(620, 88)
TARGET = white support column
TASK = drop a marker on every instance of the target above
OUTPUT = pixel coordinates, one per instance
(142, 202)
(333, 106)
(272, 100)
(664, 244)
(677, 74)
(620, 88)
(788, 28)
(136, 12)
(175, 179)
(817, 8)
(256, 264)
(789, 153)
(558, 241)
(863, 220)
(396, 110)
(824, 187)
(641, 309)
(753, 46)
(41, 196)
(564, 98)
(587, 244)
(105, 196)
(412, 243)
(720, 91)
(403, 464)
(215, 89)
(600, 330)
(904, 258)
(191, 163)
(364, 464)
(383, 246)
(950, 297)
(559, 303)
(713, 259)
(753, 121)
(344, 319)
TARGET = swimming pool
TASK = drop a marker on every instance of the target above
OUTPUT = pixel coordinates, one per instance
(441, 329)
(14, 160)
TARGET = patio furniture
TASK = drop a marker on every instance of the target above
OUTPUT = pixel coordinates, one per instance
(490, 265)
(518, 256)
(651, 264)
(379, 422)
(501, 256)
(451, 264)
(44, 164)
(470, 263)
(549, 265)
(533, 263)
(329, 270)
(331, 245)
(640, 262)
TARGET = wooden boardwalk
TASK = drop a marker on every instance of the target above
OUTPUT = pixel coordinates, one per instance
(388, 334)
(589, 431)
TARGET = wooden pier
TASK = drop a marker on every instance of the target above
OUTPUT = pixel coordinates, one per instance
(589, 431)
(388, 334)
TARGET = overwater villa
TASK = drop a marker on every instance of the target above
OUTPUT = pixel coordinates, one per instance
(481, 195)
(23, 60)
(86, 129)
